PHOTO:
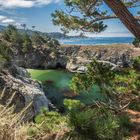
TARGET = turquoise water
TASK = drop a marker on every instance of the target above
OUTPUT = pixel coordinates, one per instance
(61, 79)
(97, 40)
(57, 86)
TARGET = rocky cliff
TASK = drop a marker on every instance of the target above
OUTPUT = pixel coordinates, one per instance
(80, 56)
(75, 58)
(40, 58)
(14, 79)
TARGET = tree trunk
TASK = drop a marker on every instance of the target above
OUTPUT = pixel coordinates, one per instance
(125, 16)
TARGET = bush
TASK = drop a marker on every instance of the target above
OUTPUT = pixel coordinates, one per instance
(50, 121)
(47, 124)
(124, 121)
(97, 124)
(27, 43)
(136, 63)
(37, 39)
(42, 39)
(12, 35)
(32, 131)
(127, 83)
(125, 125)
(80, 124)
(4, 52)
(136, 43)
(97, 74)
(73, 104)
(135, 106)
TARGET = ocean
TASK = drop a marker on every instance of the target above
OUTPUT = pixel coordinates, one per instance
(97, 41)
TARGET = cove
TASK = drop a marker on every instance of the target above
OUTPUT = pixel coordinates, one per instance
(57, 87)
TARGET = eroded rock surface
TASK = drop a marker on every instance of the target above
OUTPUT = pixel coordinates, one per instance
(41, 58)
(80, 56)
(16, 79)
(74, 58)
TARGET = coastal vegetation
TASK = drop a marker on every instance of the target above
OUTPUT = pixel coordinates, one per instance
(95, 102)
(99, 118)
(80, 121)
(4, 51)
(25, 41)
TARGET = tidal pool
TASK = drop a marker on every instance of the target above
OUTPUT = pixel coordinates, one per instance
(60, 78)
(57, 86)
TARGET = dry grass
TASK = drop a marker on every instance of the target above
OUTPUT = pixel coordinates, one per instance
(11, 124)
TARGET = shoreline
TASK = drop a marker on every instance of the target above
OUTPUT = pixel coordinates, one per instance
(61, 44)
(96, 45)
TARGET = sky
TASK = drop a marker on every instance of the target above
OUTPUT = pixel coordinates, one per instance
(38, 13)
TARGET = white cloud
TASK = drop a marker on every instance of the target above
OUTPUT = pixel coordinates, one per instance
(2, 17)
(25, 3)
(8, 21)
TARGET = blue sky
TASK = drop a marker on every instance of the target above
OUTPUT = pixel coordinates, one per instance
(38, 13)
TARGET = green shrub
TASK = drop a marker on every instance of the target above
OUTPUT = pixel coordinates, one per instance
(125, 125)
(136, 63)
(50, 121)
(72, 104)
(97, 74)
(135, 106)
(127, 82)
(96, 124)
(4, 52)
(12, 35)
(136, 42)
(124, 121)
(37, 39)
(43, 39)
(32, 131)
(27, 43)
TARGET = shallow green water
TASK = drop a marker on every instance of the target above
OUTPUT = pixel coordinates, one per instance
(61, 81)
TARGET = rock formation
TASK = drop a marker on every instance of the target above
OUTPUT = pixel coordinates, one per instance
(74, 58)
(80, 56)
(16, 79)
(40, 58)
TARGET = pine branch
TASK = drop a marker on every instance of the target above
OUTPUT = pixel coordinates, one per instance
(110, 17)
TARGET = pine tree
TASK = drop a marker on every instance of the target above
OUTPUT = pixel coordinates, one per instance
(88, 15)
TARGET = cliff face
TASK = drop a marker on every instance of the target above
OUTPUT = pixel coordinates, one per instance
(74, 58)
(16, 80)
(80, 56)
(40, 58)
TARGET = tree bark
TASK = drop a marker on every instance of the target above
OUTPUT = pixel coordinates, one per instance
(125, 16)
